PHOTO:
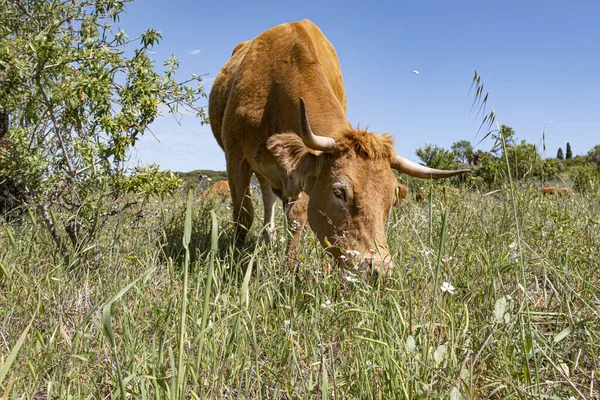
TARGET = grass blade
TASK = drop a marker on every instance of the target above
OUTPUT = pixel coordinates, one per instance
(108, 331)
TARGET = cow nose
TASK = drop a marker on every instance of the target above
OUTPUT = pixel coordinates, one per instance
(380, 264)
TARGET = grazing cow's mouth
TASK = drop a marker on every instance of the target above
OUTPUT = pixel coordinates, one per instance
(373, 261)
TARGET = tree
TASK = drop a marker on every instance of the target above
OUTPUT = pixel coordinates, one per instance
(79, 95)
(560, 154)
(524, 162)
(435, 157)
(508, 134)
(569, 154)
(463, 151)
(585, 177)
(593, 156)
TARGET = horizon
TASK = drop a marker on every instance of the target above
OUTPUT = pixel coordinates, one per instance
(536, 60)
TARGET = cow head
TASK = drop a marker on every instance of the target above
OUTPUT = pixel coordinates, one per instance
(351, 187)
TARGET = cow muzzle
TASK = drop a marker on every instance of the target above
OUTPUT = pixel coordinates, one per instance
(370, 262)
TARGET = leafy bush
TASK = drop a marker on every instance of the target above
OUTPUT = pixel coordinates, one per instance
(436, 157)
(524, 163)
(586, 178)
(79, 94)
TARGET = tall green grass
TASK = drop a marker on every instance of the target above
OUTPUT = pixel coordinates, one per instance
(172, 312)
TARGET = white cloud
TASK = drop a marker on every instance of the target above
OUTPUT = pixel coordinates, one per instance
(195, 52)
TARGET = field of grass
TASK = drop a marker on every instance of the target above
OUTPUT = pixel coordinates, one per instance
(494, 295)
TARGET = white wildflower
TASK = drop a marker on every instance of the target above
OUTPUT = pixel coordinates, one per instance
(352, 253)
(513, 249)
(447, 287)
(351, 277)
(327, 306)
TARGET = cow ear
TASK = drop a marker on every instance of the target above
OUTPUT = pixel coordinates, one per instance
(301, 163)
(401, 192)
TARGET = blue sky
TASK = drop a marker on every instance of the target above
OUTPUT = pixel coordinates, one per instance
(539, 60)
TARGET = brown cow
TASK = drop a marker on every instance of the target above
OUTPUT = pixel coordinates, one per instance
(563, 191)
(553, 190)
(278, 109)
(401, 194)
(218, 189)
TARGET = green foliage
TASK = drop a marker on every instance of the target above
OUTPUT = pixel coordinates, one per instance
(586, 178)
(435, 157)
(524, 162)
(507, 133)
(173, 227)
(593, 156)
(569, 153)
(80, 93)
(575, 161)
(463, 151)
(560, 154)
(549, 168)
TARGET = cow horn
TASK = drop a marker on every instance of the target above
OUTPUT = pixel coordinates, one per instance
(312, 141)
(420, 171)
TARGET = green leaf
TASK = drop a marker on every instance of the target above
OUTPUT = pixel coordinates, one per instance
(15, 350)
(440, 354)
(411, 345)
(500, 309)
(562, 334)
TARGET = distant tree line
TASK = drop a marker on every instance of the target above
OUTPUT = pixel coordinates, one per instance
(525, 163)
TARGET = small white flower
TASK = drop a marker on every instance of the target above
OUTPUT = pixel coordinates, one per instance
(513, 246)
(447, 259)
(351, 277)
(327, 306)
(286, 325)
(447, 287)
(352, 253)
(342, 257)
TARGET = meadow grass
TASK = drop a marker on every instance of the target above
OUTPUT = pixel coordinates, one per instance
(494, 295)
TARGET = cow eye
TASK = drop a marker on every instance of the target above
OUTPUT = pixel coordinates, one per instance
(340, 193)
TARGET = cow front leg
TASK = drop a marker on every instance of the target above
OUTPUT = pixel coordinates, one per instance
(269, 201)
(297, 214)
(239, 174)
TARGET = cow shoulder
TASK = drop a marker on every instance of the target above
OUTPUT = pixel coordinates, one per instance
(327, 58)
